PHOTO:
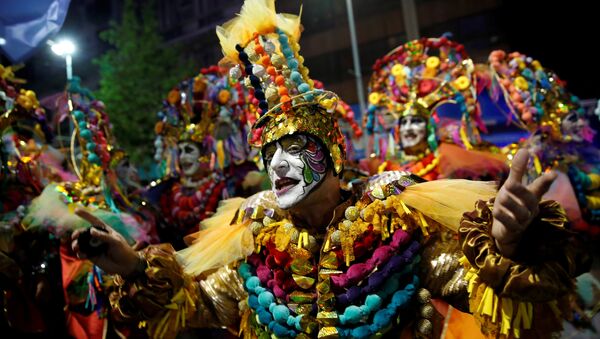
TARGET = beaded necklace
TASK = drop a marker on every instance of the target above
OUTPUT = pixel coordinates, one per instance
(191, 205)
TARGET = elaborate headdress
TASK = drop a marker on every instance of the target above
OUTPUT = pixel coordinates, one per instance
(208, 109)
(20, 111)
(536, 96)
(420, 75)
(265, 44)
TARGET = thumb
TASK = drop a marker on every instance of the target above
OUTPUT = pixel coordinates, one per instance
(519, 166)
(541, 185)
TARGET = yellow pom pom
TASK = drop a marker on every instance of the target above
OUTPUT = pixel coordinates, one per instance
(521, 83)
(432, 62)
(462, 83)
(398, 70)
(327, 103)
(374, 98)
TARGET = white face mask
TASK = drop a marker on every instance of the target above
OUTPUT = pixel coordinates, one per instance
(412, 131)
(296, 165)
(572, 126)
(190, 159)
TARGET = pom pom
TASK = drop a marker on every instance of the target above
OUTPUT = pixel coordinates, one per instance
(281, 313)
(265, 299)
(264, 317)
(303, 88)
(86, 134)
(373, 302)
(252, 283)
(79, 115)
(296, 77)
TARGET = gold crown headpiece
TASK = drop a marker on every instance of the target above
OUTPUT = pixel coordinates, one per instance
(264, 46)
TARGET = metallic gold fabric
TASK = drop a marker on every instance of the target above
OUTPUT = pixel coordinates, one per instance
(166, 299)
(442, 271)
(545, 264)
(224, 291)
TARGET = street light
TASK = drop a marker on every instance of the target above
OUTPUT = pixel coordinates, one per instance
(64, 48)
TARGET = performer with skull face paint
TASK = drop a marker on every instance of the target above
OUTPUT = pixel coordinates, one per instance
(411, 83)
(560, 137)
(307, 259)
(202, 149)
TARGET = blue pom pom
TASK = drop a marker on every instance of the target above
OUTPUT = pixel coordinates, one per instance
(265, 299)
(281, 313)
(82, 125)
(303, 88)
(253, 302)
(287, 52)
(352, 314)
(244, 271)
(309, 97)
(293, 64)
(296, 77)
(264, 317)
(79, 115)
(361, 332)
(90, 146)
(93, 158)
(373, 301)
(280, 331)
(383, 318)
(86, 134)
(259, 289)
(252, 283)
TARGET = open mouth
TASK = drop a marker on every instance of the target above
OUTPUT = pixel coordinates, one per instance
(285, 184)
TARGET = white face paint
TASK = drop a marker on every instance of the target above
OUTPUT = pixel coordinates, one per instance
(191, 159)
(412, 131)
(572, 126)
(296, 164)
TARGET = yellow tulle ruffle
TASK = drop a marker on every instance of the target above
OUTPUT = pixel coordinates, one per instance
(445, 201)
(219, 242)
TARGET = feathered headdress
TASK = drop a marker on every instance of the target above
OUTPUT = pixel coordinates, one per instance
(264, 46)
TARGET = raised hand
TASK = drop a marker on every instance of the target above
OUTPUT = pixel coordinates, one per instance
(119, 257)
(517, 204)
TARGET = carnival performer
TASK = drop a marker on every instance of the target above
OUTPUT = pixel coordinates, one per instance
(30, 263)
(202, 148)
(308, 259)
(560, 137)
(95, 188)
(407, 88)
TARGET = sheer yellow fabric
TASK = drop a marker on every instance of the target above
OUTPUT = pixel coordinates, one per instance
(445, 201)
(219, 242)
